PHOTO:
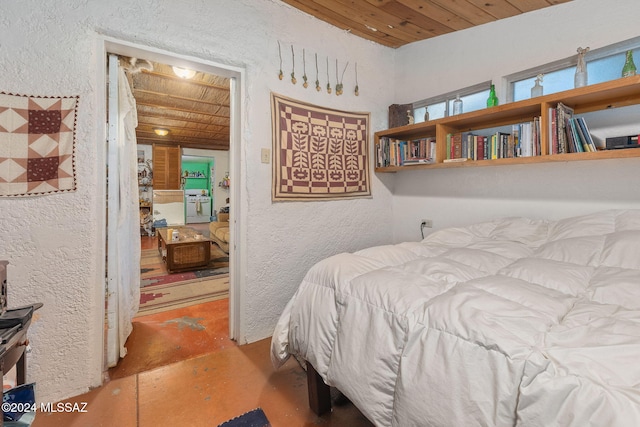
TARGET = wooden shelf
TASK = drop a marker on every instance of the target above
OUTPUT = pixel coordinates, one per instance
(603, 96)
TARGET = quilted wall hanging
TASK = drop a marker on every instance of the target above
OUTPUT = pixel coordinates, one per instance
(37, 145)
(319, 154)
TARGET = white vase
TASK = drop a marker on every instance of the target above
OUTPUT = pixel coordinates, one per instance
(580, 79)
(457, 105)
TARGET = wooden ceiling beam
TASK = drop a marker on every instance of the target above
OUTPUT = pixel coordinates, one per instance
(531, 5)
(177, 97)
(178, 141)
(173, 77)
(176, 132)
(437, 13)
(408, 14)
(369, 16)
(337, 20)
(183, 110)
(147, 130)
(165, 118)
(499, 9)
(206, 146)
(465, 10)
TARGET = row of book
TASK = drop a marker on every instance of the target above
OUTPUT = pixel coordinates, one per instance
(395, 152)
(522, 141)
(568, 134)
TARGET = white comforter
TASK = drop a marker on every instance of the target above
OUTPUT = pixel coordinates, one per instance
(512, 322)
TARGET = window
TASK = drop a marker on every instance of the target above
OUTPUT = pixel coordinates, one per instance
(603, 65)
(473, 98)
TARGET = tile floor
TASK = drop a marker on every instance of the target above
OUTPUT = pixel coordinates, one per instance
(168, 337)
(182, 370)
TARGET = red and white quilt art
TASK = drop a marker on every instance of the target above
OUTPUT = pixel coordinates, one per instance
(319, 154)
(37, 145)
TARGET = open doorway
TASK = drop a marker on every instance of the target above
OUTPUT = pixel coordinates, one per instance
(183, 138)
(194, 268)
(233, 156)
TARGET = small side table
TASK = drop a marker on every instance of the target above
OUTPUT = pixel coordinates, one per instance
(188, 253)
(14, 324)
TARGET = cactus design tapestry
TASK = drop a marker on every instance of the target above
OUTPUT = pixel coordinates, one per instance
(37, 145)
(318, 153)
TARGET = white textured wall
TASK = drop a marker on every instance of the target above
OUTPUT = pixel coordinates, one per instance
(489, 52)
(50, 47)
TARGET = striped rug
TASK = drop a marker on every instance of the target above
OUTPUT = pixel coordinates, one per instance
(161, 291)
(171, 296)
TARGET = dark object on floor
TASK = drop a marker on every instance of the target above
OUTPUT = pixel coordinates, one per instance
(18, 401)
(255, 418)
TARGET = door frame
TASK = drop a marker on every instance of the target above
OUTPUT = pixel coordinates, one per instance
(238, 194)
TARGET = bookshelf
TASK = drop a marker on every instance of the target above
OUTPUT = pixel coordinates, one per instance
(618, 93)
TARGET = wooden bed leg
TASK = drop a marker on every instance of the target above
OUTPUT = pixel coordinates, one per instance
(319, 392)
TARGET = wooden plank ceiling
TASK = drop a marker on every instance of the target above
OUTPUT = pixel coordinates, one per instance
(395, 23)
(195, 111)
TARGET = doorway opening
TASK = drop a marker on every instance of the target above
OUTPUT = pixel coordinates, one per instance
(232, 169)
(193, 269)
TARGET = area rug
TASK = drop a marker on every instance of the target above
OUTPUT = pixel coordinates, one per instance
(153, 270)
(255, 418)
(318, 153)
(37, 144)
(171, 296)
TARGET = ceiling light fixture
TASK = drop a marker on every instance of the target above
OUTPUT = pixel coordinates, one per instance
(161, 131)
(184, 73)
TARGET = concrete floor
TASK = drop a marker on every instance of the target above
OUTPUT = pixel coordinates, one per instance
(182, 370)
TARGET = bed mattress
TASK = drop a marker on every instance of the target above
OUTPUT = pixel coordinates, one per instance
(511, 322)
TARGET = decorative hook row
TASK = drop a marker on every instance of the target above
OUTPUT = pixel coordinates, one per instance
(339, 86)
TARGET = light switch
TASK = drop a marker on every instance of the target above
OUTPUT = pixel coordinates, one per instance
(265, 155)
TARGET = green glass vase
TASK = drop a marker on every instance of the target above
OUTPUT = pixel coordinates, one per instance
(492, 101)
(629, 68)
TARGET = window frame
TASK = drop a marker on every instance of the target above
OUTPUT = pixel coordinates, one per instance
(570, 62)
(449, 97)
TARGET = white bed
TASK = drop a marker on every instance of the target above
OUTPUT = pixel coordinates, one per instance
(511, 322)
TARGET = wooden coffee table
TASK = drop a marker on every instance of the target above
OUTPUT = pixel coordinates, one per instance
(190, 252)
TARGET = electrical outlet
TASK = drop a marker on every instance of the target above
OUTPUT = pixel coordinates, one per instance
(427, 223)
(265, 155)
